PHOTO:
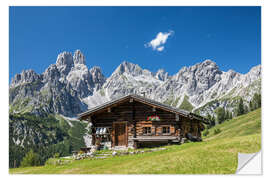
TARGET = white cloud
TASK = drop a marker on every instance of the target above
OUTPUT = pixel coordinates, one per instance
(161, 48)
(159, 41)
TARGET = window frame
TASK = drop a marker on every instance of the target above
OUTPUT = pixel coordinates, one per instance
(167, 130)
(148, 130)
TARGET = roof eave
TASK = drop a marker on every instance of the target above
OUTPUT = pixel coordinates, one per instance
(144, 100)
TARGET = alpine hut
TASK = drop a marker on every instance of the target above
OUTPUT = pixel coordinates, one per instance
(134, 121)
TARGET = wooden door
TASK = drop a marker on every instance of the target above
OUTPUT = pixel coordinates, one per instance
(120, 134)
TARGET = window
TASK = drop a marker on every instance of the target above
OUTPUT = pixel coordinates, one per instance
(146, 130)
(166, 130)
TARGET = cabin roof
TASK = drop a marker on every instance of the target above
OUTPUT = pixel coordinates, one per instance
(145, 101)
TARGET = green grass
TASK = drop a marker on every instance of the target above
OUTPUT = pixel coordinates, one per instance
(217, 154)
(169, 100)
(240, 126)
(186, 104)
(176, 102)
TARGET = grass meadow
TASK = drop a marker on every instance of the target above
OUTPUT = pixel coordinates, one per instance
(217, 154)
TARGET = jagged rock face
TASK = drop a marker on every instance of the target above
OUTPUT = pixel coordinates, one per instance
(69, 87)
(129, 78)
(253, 74)
(201, 83)
(97, 78)
(79, 80)
(51, 74)
(162, 75)
(78, 57)
(27, 76)
(199, 77)
(59, 89)
(64, 63)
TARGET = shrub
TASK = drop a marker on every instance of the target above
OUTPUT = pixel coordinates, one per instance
(30, 159)
(52, 161)
(81, 152)
(56, 155)
(206, 132)
(56, 162)
(217, 131)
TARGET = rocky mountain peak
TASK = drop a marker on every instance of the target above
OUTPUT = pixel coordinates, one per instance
(64, 58)
(51, 73)
(64, 62)
(26, 76)
(96, 74)
(68, 87)
(199, 77)
(206, 67)
(255, 71)
(129, 68)
(253, 74)
(78, 57)
(208, 62)
(161, 75)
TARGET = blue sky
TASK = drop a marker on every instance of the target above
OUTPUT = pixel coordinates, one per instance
(181, 36)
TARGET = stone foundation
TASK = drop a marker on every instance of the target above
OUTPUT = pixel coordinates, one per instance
(130, 142)
(107, 144)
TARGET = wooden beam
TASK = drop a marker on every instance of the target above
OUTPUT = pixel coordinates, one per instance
(133, 119)
(89, 119)
(126, 134)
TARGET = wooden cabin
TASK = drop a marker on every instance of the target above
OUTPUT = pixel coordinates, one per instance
(133, 121)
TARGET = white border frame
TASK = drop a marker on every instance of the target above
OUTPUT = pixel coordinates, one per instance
(4, 16)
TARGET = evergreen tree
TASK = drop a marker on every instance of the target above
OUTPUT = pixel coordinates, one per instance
(256, 101)
(245, 109)
(209, 116)
(220, 112)
(30, 159)
(251, 105)
(230, 115)
(227, 115)
(240, 108)
(213, 121)
(259, 101)
(210, 120)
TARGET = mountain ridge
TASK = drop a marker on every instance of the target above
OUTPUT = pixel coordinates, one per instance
(69, 87)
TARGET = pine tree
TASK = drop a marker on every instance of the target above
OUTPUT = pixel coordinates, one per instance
(256, 100)
(230, 115)
(210, 119)
(227, 116)
(220, 112)
(251, 105)
(240, 109)
(213, 122)
(245, 109)
(30, 159)
(259, 101)
(209, 116)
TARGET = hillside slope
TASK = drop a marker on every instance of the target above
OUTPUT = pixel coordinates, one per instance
(46, 135)
(249, 124)
(217, 154)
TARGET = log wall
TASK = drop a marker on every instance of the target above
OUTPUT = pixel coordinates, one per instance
(138, 120)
